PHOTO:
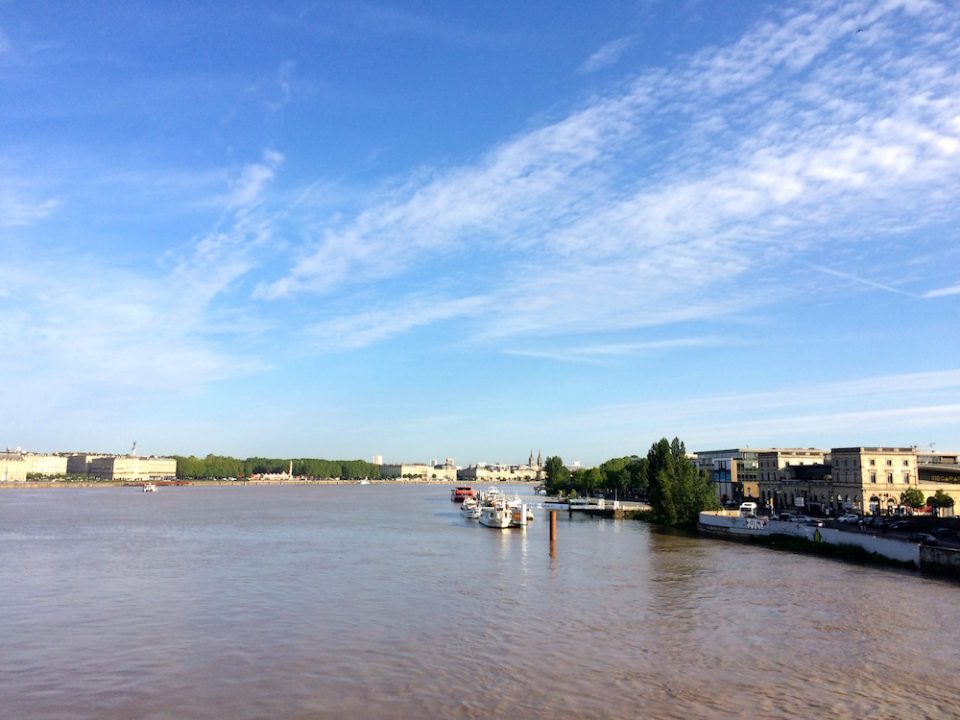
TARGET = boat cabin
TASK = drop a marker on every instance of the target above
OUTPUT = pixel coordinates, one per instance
(461, 493)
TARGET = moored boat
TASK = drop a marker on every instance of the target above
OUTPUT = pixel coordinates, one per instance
(461, 493)
(150, 487)
(497, 515)
(517, 504)
(470, 509)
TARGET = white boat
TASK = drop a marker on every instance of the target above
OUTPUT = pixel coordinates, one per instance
(470, 509)
(503, 514)
(497, 515)
(363, 482)
(491, 495)
(517, 504)
(149, 487)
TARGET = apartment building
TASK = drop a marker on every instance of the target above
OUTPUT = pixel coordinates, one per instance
(734, 472)
(131, 468)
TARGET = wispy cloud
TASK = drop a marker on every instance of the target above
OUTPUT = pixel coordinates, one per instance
(608, 55)
(18, 211)
(943, 292)
(363, 20)
(667, 194)
(859, 280)
(601, 352)
(255, 176)
(369, 327)
(843, 412)
(831, 429)
(284, 79)
(117, 333)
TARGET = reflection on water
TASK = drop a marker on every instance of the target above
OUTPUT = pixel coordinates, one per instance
(349, 601)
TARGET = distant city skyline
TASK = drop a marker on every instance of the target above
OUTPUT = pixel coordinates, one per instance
(432, 230)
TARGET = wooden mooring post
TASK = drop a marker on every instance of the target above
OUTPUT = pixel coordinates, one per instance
(553, 533)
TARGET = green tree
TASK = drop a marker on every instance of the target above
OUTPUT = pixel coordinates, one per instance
(677, 491)
(586, 481)
(913, 498)
(592, 481)
(557, 474)
(942, 500)
(639, 479)
(616, 475)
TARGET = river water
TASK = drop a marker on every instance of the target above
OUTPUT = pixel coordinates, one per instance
(382, 602)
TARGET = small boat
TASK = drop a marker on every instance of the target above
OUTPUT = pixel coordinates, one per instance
(363, 482)
(497, 515)
(491, 495)
(470, 509)
(461, 493)
(517, 504)
(149, 487)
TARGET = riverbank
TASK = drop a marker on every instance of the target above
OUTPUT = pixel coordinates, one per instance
(846, 553)
(813, 538)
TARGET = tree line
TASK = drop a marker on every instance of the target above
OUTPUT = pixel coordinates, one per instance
(666, 478)
(221, 466)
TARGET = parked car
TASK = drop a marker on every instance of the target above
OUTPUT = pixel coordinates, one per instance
(899, 525)
(942, 532)
(849, 518)
(922, 537)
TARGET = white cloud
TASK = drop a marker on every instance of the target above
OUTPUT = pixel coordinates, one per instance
(608, 55)
(842, 412)
(16, 211)
(943, 292)
(598, 353)
(837, 429)
(124, 331)
(284, 75)
(253, 179)
(367, 328)
(859, 280)
(111, 334)
(666, 195)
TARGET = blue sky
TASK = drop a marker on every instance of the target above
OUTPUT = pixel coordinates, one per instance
(340, 229)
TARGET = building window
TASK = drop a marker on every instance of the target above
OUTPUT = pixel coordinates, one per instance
(873, 462)
(906, 478)
(873, 478)
(889, 463)
(906, 463)
(889, 477)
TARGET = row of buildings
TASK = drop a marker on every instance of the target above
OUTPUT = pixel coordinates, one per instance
(19, 466)
(859, 479)
(449, 472)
